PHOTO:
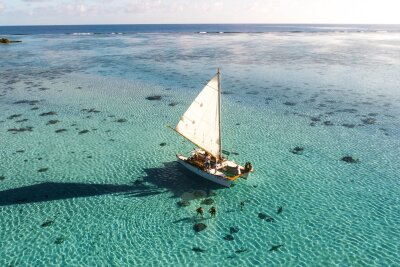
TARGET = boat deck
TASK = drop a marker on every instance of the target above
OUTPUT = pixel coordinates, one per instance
(227, 171)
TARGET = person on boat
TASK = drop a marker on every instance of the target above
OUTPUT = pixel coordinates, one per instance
(248, 167)
(216, 165)
(200, 211)
(213, 211)
(207, 162)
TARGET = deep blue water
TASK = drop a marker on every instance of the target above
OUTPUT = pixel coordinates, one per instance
(192, 28)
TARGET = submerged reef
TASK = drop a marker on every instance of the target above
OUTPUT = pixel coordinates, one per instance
(297, 150)
(183, 203)
(265, 217)
(154, 97)
(198, 227)
(19, 130)
(275, 247)
(207, 201)
(47, 223)
(233, 229)
(43, 169)
(349, 159)
(50, 113)
(59, 240)
(198, 250)
(280, 209)
(229, 238)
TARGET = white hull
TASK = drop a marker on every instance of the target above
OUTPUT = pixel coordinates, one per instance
(219, 179)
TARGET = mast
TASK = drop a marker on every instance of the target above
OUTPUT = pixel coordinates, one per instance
(219, 112)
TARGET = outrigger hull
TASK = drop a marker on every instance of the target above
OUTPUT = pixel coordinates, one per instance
(218, 178)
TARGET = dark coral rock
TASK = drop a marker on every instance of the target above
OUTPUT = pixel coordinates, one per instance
(43, 169)
(207, 201)
(297, 150)
(315, 119)
(233, 229)
(91, 110)
(229, 238)
(2, 177)
(280, 209)
(59, 240)
(348, 110)
(240, 251)
(14, 116)
(328, 123)
(20, 151)
(30, 102)
(83, 131)
(252, 93)
(50, 113)
(269, 219)
(262, 215)
(349, 159)
(348, 125)
(183, 203)
(154, 97)
(289, 103)
(163, 144)
(198, 227)
(23, 120)
(198, 250)
(369, 121)
(47, 223)
(275, 247)
(121, 120)
(60, 130)
(50, 122)
(173, 104)
(266, 217)
(19, 130)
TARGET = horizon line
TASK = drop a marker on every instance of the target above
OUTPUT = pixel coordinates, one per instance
(236, 23)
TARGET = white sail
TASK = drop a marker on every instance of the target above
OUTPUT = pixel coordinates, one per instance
(201, 121)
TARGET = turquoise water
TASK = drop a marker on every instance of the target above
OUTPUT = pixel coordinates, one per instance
(104, 191)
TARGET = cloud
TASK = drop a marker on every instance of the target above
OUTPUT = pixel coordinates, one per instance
(146, 6)
(2, 7)
(35, 1)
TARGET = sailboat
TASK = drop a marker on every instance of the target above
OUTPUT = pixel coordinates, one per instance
(201, 125)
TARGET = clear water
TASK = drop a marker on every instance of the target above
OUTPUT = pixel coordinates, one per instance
(109, 196)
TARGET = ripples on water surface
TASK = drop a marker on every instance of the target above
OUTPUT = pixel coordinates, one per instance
(84, 180)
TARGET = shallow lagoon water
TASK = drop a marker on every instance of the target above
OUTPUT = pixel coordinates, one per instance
(105, 192)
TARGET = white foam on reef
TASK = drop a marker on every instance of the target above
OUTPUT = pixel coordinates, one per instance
(82, 33)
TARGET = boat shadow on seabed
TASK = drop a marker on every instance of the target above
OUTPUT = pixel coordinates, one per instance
(174, 178)
(171, 177)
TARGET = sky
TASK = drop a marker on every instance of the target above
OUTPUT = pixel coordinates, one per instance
(56, 12)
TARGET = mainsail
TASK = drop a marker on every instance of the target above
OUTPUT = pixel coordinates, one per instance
(201, 121)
